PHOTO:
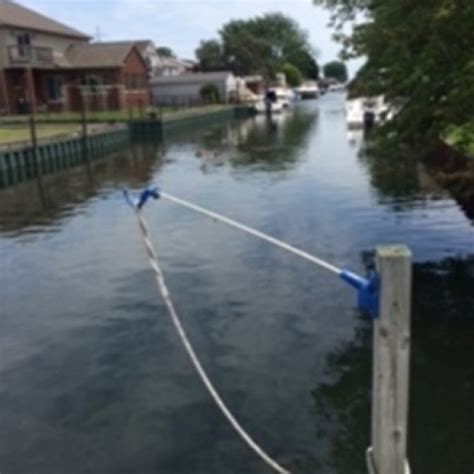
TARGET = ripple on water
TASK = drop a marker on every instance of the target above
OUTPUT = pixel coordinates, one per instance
(92, 376)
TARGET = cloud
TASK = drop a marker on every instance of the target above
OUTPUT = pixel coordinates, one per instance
(181, 24)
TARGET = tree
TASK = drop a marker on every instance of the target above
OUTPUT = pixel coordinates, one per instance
(260, 45)
(307, 65)
(335, 70)
(165, 52)
(292, 74)
(264, 44)
(209, 55)
(419, 56)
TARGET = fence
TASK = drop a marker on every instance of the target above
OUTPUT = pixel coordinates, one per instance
(36, 156)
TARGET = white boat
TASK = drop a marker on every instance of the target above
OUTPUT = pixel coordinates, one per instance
(365, 112)
(274, 107)
(336, 87)
(284, 95)
(308, 90)
(271, 103)
(355, 111)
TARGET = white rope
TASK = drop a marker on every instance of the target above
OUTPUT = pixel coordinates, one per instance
(225, 220)
(152, 256)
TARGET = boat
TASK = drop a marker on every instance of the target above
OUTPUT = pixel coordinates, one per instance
(262, 107)
(365, 112)
(336, 87)
(284, 95)
(270, 103)
(308, 90)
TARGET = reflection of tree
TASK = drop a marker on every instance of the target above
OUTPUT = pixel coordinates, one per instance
(460, 185)
(402, 177)
(441, 433)
(261, 142)
(344, 401)
(43, 201)
(273, 143)
(442, 418)
(393, 177)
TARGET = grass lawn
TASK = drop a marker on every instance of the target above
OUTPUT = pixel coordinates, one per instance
(16, 128)
(21, 133)
(113, 116)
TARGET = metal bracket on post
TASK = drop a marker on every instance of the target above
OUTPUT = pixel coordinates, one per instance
(371, 463)
(367, 291)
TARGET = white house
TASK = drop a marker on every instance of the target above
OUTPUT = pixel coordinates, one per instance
(185, 89)
(168, 66)
(148, 51)
(161, 65)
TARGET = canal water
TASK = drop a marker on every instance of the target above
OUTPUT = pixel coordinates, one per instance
(92, 376)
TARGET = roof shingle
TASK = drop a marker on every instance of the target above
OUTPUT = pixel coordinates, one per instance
(13, 14)
(98, 55)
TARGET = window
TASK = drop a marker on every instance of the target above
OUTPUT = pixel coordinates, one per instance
(54, 87)
(93, 83)
(23, 40)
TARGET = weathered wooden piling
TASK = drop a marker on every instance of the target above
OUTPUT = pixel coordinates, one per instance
(34, 145)
(85, 152)
(391, 364)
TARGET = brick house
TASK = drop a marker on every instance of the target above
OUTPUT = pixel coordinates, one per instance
(45, 65)
(110, 76)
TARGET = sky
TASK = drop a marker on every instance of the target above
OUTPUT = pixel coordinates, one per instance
(181, 24)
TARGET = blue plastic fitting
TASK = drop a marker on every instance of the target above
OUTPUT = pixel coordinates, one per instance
(151, 192)
(367, 291)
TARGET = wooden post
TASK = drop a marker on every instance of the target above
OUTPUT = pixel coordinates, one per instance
(130, 121)
(30, 90)
(34, 145)
(391, 363)
(4, 92)
(85, 151)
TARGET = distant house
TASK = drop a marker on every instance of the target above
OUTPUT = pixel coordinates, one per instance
(162, 65)
(45, 65)
(185, 88)
(148, 51)
(168, 66)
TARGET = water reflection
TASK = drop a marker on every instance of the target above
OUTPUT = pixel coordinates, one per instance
(261, 143)
(403, 179)
(49, 198)
(92, 377)
(267, 144)
(442, 378)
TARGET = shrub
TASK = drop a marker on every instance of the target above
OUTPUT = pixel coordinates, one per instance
(210, 93)
(293, 75)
